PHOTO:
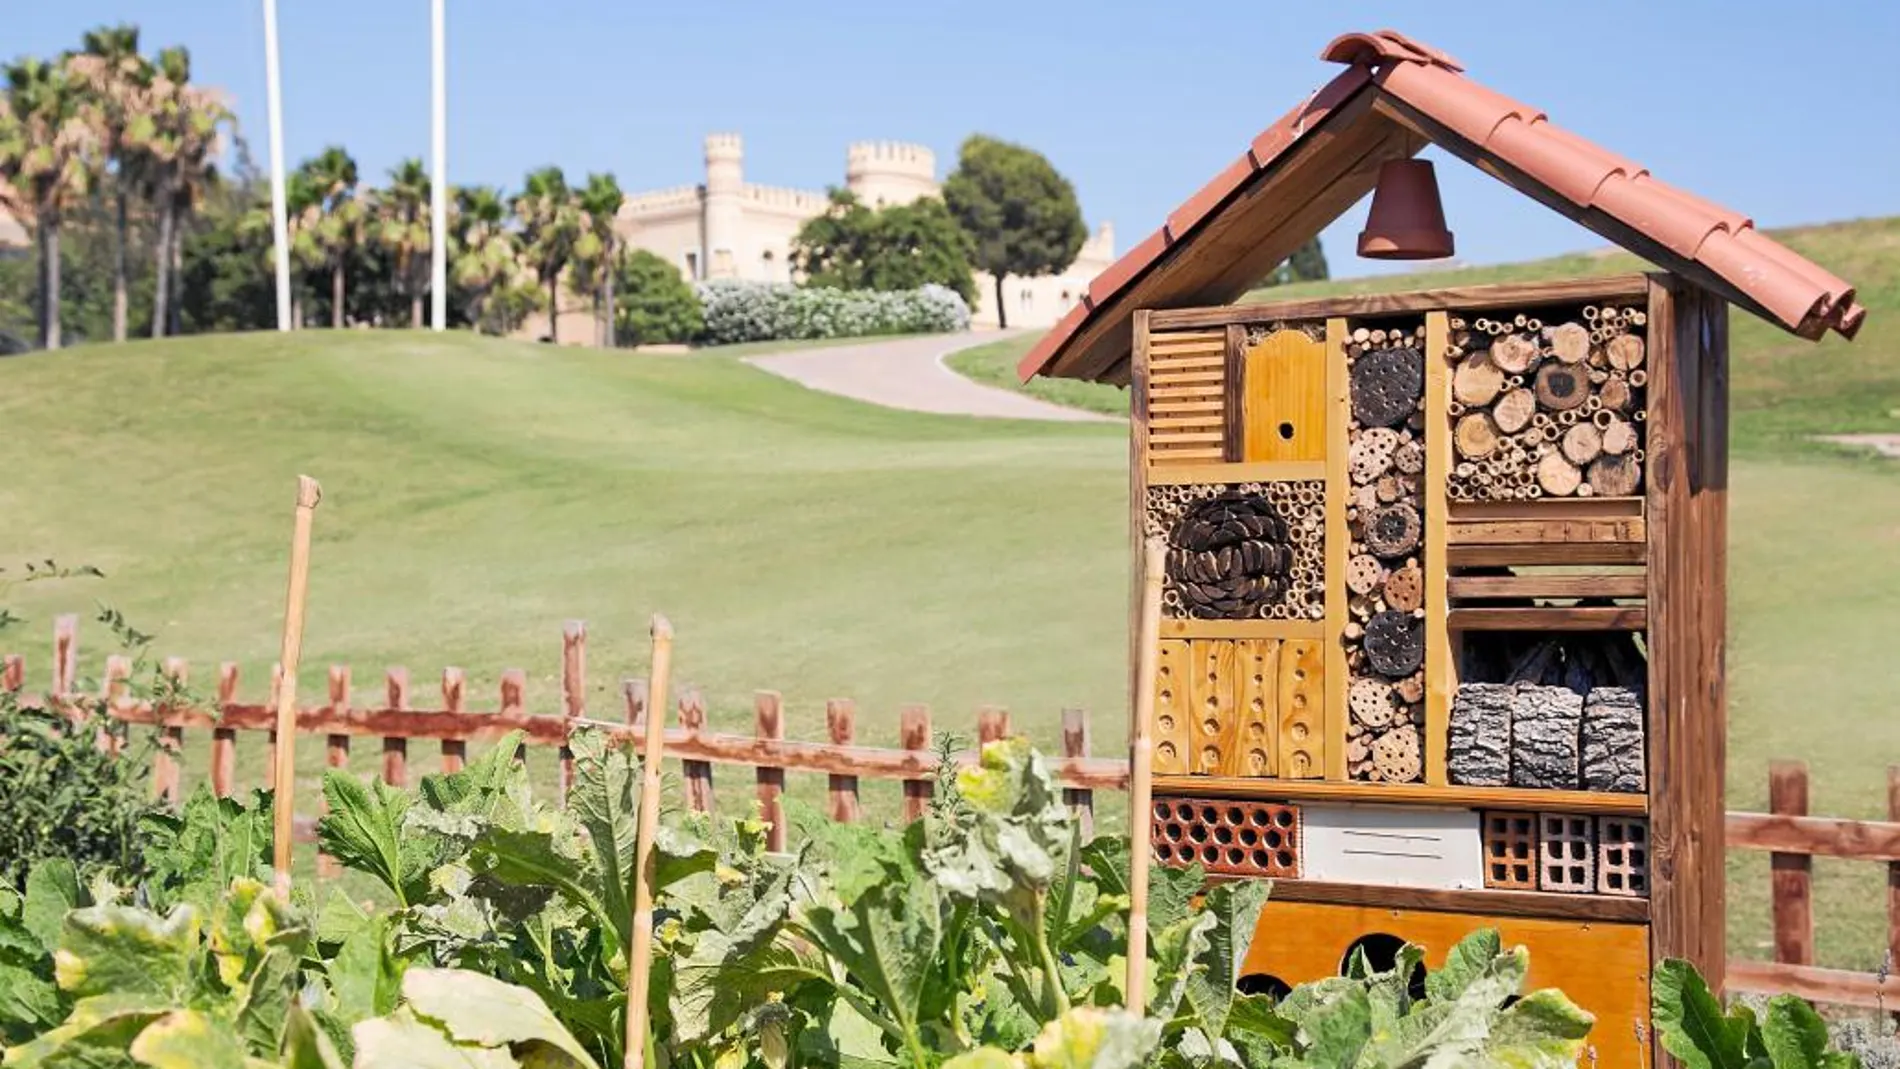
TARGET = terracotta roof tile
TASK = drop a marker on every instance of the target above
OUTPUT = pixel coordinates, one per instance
(1801, 296)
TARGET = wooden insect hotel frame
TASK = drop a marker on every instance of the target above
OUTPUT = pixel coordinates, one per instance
(1443, 607)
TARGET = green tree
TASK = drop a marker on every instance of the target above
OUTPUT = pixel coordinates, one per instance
(596, 249)
(656, 303)
(118, 83)
(341, 222)
(45, 144)
(177, 136)
(1307, 264)
(484, 262)
(224, 277)
(403, 230)
(900, 247)
(1020, 213)
(550, 226)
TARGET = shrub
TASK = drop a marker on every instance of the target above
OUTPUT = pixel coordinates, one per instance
(776, 311)
(652, 302)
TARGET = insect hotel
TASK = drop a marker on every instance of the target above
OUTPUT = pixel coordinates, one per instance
(1441, 638)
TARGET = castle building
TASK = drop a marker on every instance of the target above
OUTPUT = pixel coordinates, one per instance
(727, 227)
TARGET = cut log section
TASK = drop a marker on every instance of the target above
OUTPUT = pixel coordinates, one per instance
(1395, 643)
(1514, 354)
(1615, 393)
(1476, 381)
(1405, 590)
(1615, 474)
(1619, 438)
(1393, 531)
(1624, 352)
(1561, 387)
(1514, 410)
(1475, 435)
(1478, 741)
(1582, 443)
(1371, 454)
(1371, 704)
(1569, 342)
(1557, 475)
(1364, 573)
(1397, 756)
(1387, 385)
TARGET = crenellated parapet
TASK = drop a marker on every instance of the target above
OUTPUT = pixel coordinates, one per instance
(786, 199)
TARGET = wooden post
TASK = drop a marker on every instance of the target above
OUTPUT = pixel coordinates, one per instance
(695, 776)
(65, 655)
(396, 748)
(284, 761)
(336, 749)
(112, 694)
(12, 672)
(513, 687)
(454, 751)
(1893, 873)
(573, 692)
(1687, 518)
(1141, 775)
(276, 689)
(640, 951)
(171, 739)
(914, 734)
(1075, 744)
(224, 739)
(841, 726)
(633, 693)
(1792, 874)
(992, 725)
(768, 725)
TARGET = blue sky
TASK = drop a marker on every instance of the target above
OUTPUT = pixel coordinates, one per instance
(1783, 110)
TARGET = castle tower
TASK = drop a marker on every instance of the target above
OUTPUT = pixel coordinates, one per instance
(724, 222)
(890, 172)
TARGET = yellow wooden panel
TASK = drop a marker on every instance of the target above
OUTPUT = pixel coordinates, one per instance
(1304, 744)
(1283, 398)
(1602, 966)
(1213, 721)
(1439, 684)
(1257, 667)
(1339, 407)
(1170, 729)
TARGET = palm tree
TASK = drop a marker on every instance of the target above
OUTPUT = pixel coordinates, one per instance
(176, 138)
(342, 223)
(549, 227)
(596, 247)
(45, 147)
(402, 227)
(485, 258)
(303, 212)
(118, 83)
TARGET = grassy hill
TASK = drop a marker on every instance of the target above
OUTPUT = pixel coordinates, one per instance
(478, 493)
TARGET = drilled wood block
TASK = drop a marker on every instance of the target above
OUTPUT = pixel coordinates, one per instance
(1566, 853)
(1257, 706)
(1228, 837)
(1212, 721)
(1510, 850)
(1170, 728)
(1302, 742)
(1623, 856)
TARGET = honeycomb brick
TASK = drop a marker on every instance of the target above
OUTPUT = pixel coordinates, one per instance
(1566, 853)
(1228, 837)
(1510, 851)
(1623, 856)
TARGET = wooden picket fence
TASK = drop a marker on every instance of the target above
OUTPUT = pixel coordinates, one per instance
(1792, 836)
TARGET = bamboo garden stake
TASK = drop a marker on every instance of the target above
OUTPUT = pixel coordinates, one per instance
(1141, 774)
(284, 755)
(640, 953)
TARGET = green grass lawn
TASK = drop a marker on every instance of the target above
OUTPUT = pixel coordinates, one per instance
(479, 493)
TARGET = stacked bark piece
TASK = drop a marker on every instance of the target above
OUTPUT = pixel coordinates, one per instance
(1566, 715)
(1547, 409)
(1385, 638)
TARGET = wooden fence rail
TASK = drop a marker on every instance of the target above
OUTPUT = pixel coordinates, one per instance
(1790, 835)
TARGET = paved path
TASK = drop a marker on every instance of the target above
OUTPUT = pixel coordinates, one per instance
(910, 373)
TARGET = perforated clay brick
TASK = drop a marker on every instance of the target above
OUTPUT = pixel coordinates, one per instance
(1510, 851)
(1623, 856)
(1228, 837)
(1566, 853)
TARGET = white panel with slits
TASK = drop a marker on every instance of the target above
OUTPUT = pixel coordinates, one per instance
(1431, 848)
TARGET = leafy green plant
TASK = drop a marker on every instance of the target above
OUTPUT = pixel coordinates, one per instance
(1695, 1029)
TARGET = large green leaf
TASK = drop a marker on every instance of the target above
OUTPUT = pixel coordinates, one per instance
(1691, 1022)
(364, 976)
(1235, 908)
(887, 943)
(482, 1010)
(1090, 1038)
(984, 1058)
(28, 1004)
(97, 1032)
(400, 1041)
(52, 891)
(188, 1039)
(269, 991)
(1795, 1036)
(363, 830)
(1463, 963)
(119, 950)
(1011, 831)
(1337, 1029)
(605, 799)
(1542, 1030)
(306, 1046)
(535, 859)
(196, 853)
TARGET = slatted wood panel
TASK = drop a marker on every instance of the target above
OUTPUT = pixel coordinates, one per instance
(1186, 393)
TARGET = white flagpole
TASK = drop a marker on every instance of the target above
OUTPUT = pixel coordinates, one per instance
(439, 185)
(280, 226)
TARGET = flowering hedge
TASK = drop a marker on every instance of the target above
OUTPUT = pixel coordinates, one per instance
(738, 311)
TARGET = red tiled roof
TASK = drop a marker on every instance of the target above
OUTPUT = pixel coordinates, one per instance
(1688, 233)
